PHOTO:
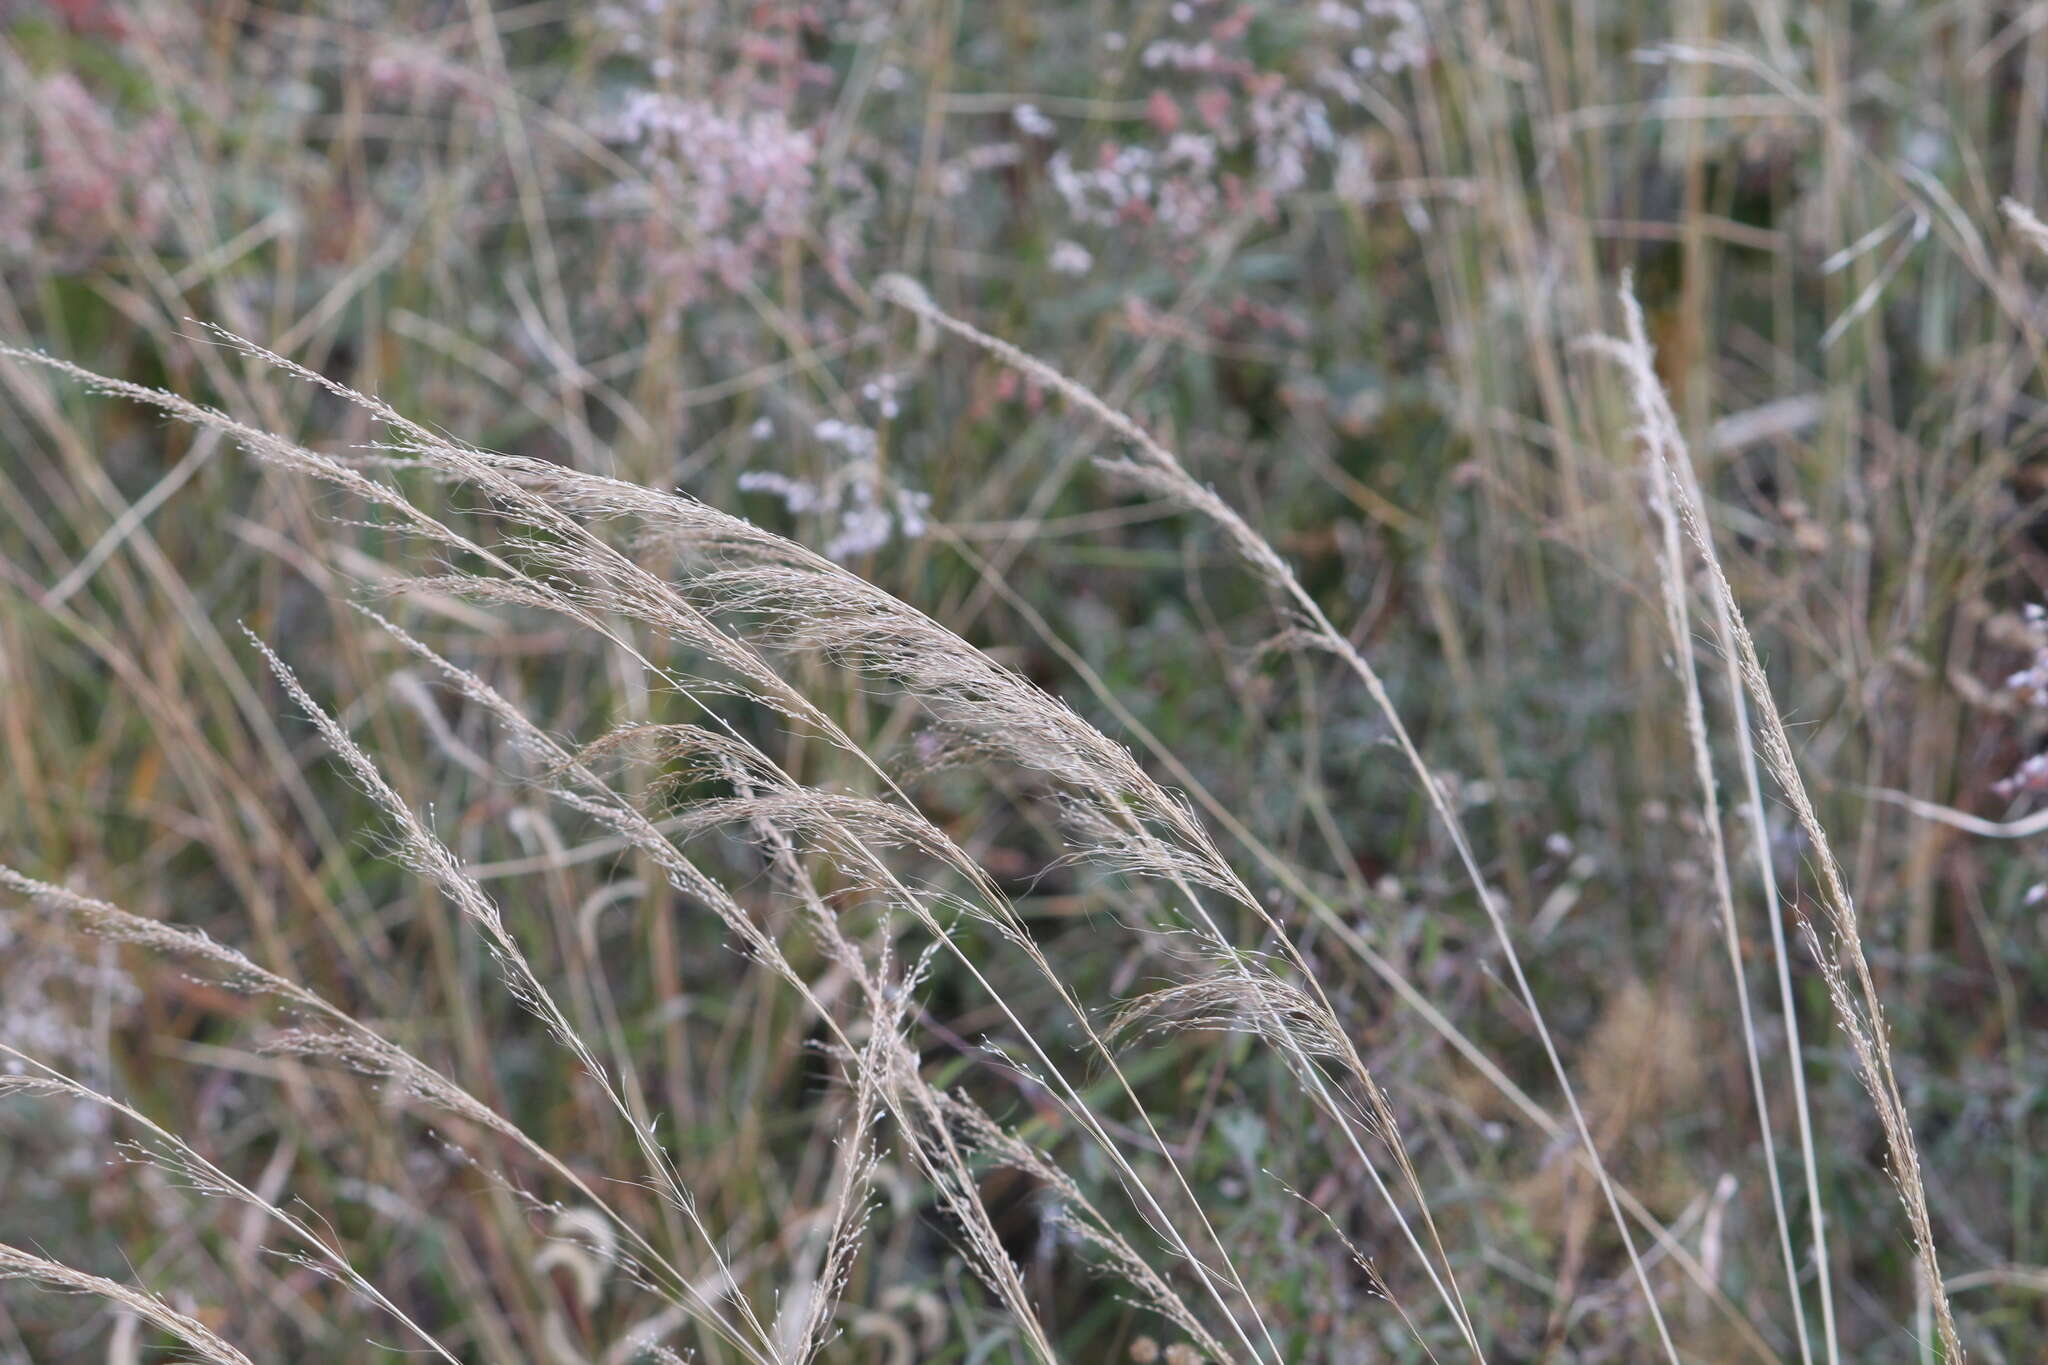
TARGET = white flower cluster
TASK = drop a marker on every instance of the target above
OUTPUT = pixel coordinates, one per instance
(1171, 54)
(1174, 184)
(1288, 127)
(867, 515)
(1070, 258)
(1096, 196)
(882, 391)
(2031, 683)
(1032, 122)
(1399, 37)
(866, 520)
(851, 437)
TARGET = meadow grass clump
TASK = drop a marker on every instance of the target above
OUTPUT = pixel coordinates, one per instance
(926, 682)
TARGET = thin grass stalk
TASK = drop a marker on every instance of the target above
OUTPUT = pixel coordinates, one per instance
(1859, 1009)
(1671, 579)
(1781, 958)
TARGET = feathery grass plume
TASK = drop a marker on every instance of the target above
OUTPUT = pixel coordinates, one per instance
(1159, 471)
(909, 1099)
(171, 1153)
(911, 1102)
(1074, 1211)
(790, 806)
(433, 859)
(1858, 1008)
(798, 600)
(929, 1141)
(339, 1037)
(16, 1264)
(887, 1067)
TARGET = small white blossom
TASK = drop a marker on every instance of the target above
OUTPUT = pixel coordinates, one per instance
(912, 509)
(1195, 151)
(850, 437)
(1174, 55)
(881, 391)
(1032, 122)
(796, 495)
(1070, 258)
(864, 525)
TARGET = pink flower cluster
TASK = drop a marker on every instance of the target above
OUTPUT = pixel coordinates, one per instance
(730, 187)
(91, 177)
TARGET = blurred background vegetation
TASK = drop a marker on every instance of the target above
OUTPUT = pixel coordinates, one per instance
(1337, 255)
